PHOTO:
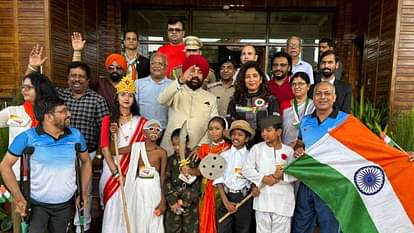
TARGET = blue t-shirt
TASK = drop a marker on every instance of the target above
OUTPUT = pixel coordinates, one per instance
(52, 164)
(311, 130)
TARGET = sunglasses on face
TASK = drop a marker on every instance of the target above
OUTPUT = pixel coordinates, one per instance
(154, 129)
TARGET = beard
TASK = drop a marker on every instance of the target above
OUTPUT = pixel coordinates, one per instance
(327, 72)
(194, 83)
(279, 77)
(116, 77)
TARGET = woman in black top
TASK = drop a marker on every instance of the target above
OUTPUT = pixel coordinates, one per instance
(252, 99)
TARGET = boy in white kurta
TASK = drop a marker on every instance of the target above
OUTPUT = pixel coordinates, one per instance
(264, 167)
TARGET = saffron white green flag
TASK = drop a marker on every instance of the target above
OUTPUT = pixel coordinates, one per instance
(367, 184)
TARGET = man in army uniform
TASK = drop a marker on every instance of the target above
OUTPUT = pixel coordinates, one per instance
(193, 46)
(224, 88)
(182, 198)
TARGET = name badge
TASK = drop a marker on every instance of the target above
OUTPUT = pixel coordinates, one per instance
(17, 121)
(146, 172)
(237, 171)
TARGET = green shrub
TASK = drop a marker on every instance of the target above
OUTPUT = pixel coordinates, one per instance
(373, 115)
(402, 128)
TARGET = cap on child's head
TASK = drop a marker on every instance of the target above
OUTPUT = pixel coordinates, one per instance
(271, 121)
(242, 125)
(151, 122)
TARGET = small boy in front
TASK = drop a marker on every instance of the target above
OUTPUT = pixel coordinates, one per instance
(264, 167)
(182, 198)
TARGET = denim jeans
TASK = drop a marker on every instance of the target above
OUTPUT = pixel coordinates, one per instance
(309, 208)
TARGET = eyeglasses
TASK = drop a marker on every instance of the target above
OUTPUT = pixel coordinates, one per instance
(27, 87)
(298, 84)
(283, 65)
(175, 30)
(111, 68)
(324, 93)
(63, 111)
(156, 129)
(293, 46)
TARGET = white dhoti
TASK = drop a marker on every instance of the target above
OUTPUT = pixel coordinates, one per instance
(267, 222)
(143, 194)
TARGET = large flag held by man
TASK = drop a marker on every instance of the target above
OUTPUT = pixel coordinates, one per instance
(367, 184)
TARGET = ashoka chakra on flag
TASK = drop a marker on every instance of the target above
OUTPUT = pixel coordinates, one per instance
(369, 179)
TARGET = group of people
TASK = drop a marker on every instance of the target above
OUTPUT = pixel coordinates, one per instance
(154, 120)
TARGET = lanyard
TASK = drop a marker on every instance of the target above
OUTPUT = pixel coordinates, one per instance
(296, 111)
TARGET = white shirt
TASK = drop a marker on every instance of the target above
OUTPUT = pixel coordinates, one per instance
(16, 118)
(303, 66)
(232, 177)
(261, 161)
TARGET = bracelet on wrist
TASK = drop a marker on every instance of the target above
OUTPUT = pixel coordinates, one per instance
(32, 68)
(115, 174)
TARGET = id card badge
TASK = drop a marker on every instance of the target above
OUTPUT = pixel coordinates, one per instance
(237, 172)
(146, 172)
(17, 121)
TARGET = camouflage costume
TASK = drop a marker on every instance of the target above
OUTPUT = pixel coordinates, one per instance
(176, 189)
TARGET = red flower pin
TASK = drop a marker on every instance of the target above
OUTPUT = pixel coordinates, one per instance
(284, 156)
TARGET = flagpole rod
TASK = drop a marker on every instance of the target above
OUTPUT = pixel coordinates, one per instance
(239, 204)
(121, 184)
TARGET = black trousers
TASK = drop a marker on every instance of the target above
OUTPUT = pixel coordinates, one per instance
(240, 221)
(51, 217)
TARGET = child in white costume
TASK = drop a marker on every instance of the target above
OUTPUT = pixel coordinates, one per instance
(264, 167)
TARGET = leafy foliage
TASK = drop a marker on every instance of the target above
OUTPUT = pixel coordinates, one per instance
(402, 127)
(374, 116)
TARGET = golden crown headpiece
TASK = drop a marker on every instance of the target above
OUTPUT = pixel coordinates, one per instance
(126, 85)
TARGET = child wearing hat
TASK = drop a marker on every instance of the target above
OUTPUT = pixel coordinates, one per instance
(275, 204)
(233, 186)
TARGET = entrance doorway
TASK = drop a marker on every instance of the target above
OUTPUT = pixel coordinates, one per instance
(224, 32)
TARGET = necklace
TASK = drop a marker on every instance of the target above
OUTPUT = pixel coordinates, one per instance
(128, 133)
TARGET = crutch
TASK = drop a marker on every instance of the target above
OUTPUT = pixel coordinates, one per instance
(27, 152)
(79, 189)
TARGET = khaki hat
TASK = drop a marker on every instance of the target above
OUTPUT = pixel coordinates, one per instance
(270, 121)
(242, 125)
(192, 42)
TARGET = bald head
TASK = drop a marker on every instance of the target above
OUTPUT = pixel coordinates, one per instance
(324, 97)
(248, 53)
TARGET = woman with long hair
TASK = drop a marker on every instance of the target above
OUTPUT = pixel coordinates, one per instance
(125, 122)
(252, 99)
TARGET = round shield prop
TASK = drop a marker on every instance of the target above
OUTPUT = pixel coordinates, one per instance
(212, 166)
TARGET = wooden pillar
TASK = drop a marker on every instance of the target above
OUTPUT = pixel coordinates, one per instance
(402, 81)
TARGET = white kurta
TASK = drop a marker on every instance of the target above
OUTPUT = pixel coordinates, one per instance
(262, 160)
(197, 107)
(16, 118)
(113, 220)
(143, 194)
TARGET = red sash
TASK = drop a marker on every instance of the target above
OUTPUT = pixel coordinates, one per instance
(112, 184)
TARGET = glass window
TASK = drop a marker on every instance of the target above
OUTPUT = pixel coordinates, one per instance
(230, 26)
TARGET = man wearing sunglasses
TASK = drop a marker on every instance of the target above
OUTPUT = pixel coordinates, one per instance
(174, 49)
(193, 46)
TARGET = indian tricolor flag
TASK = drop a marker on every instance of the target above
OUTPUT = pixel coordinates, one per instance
(367, 184)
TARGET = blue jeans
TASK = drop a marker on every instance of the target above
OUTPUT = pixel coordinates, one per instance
(309, 208)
